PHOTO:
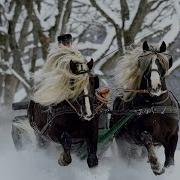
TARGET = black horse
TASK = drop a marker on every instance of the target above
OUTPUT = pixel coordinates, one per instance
(156, 111)
(69, 120)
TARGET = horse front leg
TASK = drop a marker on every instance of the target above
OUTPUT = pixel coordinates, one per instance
(92, 139)
(41, 142)
(170, 148)
(65, 157)
(153, 160)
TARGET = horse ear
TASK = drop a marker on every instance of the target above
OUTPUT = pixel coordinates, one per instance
(90, 64)
(145, 46)
(162, 47)
(72, 66)
(170, 62)
(96, 82)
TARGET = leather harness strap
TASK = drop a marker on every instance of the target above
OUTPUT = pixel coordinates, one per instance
(149, 110)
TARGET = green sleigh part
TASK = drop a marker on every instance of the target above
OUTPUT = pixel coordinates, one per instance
(106, 136)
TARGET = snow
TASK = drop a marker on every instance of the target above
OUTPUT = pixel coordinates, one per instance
(175, 65)
(20, 95)
(114, 17)
(47, 14)
(39, 164)
(21, 79)
(105, 44)
(3, 29)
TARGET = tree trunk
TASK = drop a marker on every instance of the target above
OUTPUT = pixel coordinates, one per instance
(11, 84)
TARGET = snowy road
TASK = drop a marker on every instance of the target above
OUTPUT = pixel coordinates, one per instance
(42, 165)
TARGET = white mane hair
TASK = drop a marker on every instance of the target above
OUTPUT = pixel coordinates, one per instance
(130, 69)
(52, 82)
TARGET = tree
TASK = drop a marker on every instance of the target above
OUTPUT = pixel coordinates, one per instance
(127, 22)
(26, 29)
(101, 29)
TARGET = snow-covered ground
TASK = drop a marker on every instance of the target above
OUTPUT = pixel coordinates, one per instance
(36, 164)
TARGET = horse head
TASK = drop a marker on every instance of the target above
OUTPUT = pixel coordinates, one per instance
(81, 68)
(156, 63)
(87, 97)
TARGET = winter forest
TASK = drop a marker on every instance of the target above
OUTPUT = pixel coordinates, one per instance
(102, 30)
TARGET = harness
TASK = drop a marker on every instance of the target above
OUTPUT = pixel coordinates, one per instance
(148, 110)
(155, 108)
(69, 108)
(52, 113)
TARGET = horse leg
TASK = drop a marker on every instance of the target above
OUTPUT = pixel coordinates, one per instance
(92, 138)
(41, 142)
(170, 148)
(153, 160)
(65, 157)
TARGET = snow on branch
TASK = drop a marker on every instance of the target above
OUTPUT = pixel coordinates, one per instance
(106, 13)
(61, 18)
(17, 75)
(106, 44)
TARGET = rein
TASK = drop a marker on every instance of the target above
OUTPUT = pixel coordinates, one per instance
(103, 101)
(143, 91)
(73, 107)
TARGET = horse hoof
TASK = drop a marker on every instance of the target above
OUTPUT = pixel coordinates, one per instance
(64, 160)
(92, 160)
(159, 172)
(169, 163)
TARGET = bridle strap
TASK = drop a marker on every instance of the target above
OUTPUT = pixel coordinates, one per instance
(155, 70)
(142, 91)
(73, 107)
(83, 72)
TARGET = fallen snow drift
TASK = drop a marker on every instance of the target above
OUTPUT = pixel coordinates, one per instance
(31, 164)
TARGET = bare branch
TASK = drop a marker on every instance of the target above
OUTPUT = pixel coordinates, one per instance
(143, 9)
(106, 51)
(158, 4)
(103, 13)
(124, 12)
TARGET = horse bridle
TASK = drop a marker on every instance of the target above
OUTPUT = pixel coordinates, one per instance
(146, 91)
(102, 101)
(83, 72)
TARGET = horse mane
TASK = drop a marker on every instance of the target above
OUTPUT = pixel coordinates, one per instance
(52, 82)
(131, 67)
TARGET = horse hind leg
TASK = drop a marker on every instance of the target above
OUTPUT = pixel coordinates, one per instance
(92, 138)
(170, 148)
(153, 160)
(65, 157)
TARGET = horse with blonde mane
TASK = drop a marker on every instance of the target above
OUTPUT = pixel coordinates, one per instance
(140, 79)
(63, 104)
